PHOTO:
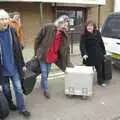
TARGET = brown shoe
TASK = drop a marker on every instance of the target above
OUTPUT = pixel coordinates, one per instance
(46, 94)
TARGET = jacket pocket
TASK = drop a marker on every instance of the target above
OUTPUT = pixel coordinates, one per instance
(39, 53)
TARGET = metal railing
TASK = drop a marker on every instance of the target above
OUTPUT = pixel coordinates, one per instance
(74, 38)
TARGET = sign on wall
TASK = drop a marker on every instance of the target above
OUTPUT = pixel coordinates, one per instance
(101, 2)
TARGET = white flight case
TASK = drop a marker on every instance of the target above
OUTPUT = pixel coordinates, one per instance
(79, 81)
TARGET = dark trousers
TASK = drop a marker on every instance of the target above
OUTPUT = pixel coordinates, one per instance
(100, 73)
(9, 95)
(15, 79)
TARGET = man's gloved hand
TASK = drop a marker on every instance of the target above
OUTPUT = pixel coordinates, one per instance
(85, 57)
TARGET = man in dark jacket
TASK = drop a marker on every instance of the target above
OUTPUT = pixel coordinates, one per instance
(52, 46)
(13, 63)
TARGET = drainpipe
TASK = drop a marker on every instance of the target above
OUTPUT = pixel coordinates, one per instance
(41, 13)
(85, 14)
(99, 16)
(54, 11)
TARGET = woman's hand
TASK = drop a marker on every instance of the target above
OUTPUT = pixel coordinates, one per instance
(24, 68)
(85, 57)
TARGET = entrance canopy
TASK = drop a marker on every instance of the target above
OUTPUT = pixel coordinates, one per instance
(75, 2)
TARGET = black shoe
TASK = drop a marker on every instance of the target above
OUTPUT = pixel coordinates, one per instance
(103, 84)
(12, 107)
(25, 113)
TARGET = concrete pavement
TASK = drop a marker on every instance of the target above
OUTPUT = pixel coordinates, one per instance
(103, 105)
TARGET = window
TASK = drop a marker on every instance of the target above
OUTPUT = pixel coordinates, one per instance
(111, 27)
(76, 17)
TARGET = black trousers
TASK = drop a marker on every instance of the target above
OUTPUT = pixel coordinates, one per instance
(100, 73)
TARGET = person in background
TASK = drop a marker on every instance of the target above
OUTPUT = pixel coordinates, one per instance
(92, 50)
(52, 46)
(12, 63)
(15, 22)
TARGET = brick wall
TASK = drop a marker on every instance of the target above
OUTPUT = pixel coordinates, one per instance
(104, 11)
(30, 13)
(31, 16)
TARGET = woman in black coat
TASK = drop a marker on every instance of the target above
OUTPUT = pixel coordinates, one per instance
(93, 50)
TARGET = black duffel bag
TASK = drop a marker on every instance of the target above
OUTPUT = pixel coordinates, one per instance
(28, 81)
(108, 67)
(34, 66)
(4, 107)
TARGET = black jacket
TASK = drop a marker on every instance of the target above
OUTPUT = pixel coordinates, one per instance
(17, 50)
(91, 44)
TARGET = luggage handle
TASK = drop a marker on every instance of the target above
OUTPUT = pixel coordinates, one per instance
(71, 90)
(93, 67)
(118, 43)
(84, 91)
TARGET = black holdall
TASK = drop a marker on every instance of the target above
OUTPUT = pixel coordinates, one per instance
(28, 81)
(34, 66)
(108, 67)
(4, 107)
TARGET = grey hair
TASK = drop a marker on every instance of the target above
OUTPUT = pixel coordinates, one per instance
(64, 18)
(4, 14)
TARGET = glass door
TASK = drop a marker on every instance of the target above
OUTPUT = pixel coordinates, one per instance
(76, 17)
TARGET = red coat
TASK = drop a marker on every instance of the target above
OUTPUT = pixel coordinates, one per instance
(52, 54)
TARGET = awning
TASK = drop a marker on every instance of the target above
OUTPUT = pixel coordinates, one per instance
(82, 2)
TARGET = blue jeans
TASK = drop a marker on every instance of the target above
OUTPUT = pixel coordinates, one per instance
(17, 88)
(45, 69)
